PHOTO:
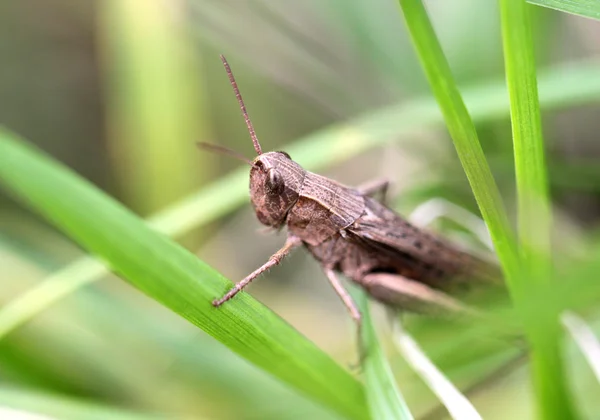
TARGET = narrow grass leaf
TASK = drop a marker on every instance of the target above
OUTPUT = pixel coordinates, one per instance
(534, 215)
(174, 277)
(532, 180)
(560, 87)
(585, 338)
(383, 396)
(455, 402)
(458, 406)
(53, 406)
(585, 8)
(462, 131)
(53, 288)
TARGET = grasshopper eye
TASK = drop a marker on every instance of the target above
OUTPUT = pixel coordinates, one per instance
(274, 182)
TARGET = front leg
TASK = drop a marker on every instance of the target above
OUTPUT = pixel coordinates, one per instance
(291, 243)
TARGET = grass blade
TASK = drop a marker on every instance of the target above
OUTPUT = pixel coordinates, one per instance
(534, 215)
(585, 8)
(174, 277)
(455, 402)
(532, 181)
(53, 288)
(585, 338)
(561, 87)
(59, 407)
(384, 399)
(463, 133)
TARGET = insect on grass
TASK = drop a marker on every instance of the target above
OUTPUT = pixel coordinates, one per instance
(348, 231)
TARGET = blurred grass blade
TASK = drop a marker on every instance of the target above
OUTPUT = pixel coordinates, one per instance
(174, 277)
(585, 338)
(561, 87)
(585, 8)
(534, 215)
(455, 402)
(463, 133)
(187, 214)
(54, 287)
(437, 207)
(59, 407)
(154, 100)
(384, 399)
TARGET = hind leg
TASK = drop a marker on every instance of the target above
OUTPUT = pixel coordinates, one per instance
(411, 295)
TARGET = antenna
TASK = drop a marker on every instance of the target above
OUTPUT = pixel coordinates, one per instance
(238, 95)
(224, 151)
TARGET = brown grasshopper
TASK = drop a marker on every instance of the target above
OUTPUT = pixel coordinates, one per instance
(349, 231)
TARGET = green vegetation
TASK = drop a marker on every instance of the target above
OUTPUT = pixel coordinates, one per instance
(77, 342)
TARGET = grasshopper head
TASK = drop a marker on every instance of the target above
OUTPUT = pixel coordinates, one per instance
(275, 179)
(275, 182)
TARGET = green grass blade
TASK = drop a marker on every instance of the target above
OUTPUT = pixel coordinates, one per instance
(463, 133)
(174, 277)
(585, 8)
(63, 408)
(560, 87)
(53, 288)
(532, 181)
(384, 399)
(534, 215)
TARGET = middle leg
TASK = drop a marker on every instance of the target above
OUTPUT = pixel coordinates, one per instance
(376, 186)
(344, 295)
(352, 308)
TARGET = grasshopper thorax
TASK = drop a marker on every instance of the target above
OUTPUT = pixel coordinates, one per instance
(275, 184)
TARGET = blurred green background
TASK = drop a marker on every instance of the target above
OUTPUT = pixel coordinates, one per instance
(120, 90)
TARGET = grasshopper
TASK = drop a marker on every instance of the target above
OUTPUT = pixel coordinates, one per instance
(348, 231)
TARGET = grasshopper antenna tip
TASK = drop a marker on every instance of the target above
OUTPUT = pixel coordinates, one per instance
(238, 95)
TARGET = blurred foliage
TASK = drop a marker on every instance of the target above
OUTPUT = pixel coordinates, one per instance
(587, 8)
(121, 90)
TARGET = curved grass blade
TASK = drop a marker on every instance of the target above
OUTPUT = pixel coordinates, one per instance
(174, 277)
(559, 87)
